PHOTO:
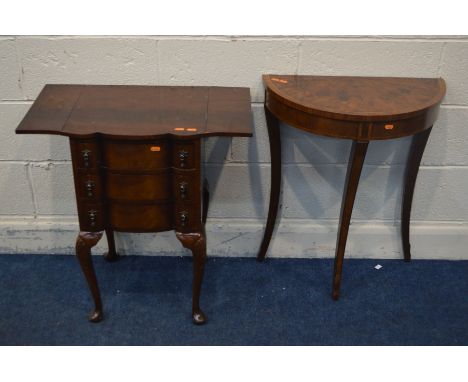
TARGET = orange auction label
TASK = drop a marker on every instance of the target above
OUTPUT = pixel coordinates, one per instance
(279, 80)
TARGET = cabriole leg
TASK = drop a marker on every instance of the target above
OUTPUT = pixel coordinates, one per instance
(84, 243)
(196, 242)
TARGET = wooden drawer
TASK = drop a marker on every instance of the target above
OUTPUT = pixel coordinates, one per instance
(399, 128)
(187, 217)
(85, 153)
(186, 186)
(143, 156)
(139, 187)
(132, 217)
(91, 216)
(88, 186)
(185, 154)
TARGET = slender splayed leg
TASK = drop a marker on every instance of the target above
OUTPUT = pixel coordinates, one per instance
(196, 242)
(275, 152)
(84, 242)
(356, 160)
(418, 144)
(206, 200)
(112, 254)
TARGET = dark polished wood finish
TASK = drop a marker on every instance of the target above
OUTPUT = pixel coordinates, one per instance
(84, 242)
(196, 242)
(137, 161)
(111, 254)
(275, 150)
(418, 145)
(358, 108)
(355, 163)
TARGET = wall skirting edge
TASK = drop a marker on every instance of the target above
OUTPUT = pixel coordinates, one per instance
(232, 237)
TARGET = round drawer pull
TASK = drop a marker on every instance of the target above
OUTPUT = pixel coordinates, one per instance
(183, 218)
(89, 187)
(86, 154)
(92, 215)
(183, 156)
(183, 190)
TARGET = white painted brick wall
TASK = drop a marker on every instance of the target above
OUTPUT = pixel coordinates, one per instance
(15, 189)
(225, 62)
(370, 58)
(105, 60)
(37, 205)
(10, 86)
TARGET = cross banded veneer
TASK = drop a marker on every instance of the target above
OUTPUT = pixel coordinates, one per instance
(358, 108)
(136, 161)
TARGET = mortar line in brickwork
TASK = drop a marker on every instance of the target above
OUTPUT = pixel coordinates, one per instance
(254, 37)
(253, 103)
(354, 38)
(441, 57)
(18, 218)
(31, 189)
(298, 60)
(16, 102)
(158, 61)
(35, 162)
(303, 38)
(230, 153)
(19, 61)
(453, 106)
(340, 164)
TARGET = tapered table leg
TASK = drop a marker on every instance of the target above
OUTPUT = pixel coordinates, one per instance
(275, 152)
(418, 144)
(196, 242)
(111, 254)
(84, 242)
(356, 160)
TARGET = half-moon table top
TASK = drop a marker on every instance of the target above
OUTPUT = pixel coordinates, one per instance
(135, 111)
(358, 98)
(403, 105)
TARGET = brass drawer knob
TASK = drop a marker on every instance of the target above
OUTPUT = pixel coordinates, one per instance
(183, 156)
(86, 154)
(92, 215)
(183, 218)
(89, 187)
(183, 190)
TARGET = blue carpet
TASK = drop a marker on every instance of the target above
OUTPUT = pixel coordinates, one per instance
(44, 301)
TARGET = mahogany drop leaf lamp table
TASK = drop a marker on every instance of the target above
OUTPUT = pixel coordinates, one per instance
(358, 108)
(136, 161)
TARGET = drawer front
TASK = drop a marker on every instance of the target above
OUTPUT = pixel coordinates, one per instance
(400, 128)
(91, 216)
(139, 187)
(85, 154)
(140, 217)
(186, 186)
(187, 218)
(144, 156)
(185, 155)
(88, 186)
